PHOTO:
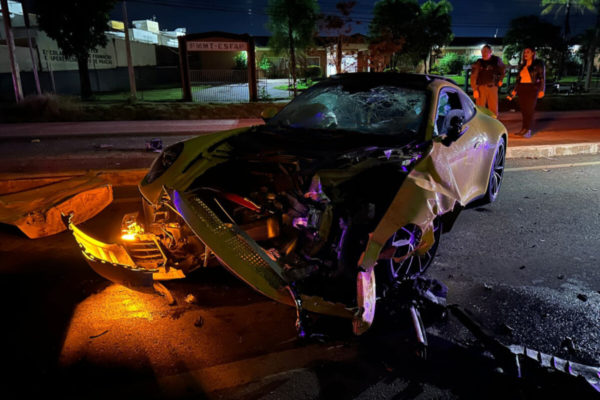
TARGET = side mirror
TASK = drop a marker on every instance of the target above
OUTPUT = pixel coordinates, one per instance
(268, 113)
(454, 131)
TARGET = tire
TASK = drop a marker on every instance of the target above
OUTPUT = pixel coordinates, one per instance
(496, 174)
(405, 240)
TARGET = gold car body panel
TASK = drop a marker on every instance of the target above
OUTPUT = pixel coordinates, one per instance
(445, 177)
(198, 155)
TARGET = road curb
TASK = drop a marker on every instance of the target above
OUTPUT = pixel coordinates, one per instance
(511, 116)
(16, 182)
(552, 150)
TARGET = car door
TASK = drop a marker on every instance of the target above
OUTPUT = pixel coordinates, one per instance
(461, 155)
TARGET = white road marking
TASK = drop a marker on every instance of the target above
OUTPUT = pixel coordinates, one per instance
(553, 166)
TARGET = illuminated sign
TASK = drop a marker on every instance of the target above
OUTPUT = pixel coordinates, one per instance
(217, 46)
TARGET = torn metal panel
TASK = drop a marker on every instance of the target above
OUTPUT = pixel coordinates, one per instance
(37, 212)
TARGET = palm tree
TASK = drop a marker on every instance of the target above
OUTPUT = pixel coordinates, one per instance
(560, 6)
(557, 7)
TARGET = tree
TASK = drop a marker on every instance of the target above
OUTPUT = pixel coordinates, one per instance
(558, 6)
(418, 28)
(451, 63)
(531, 31)
(394, 29)
(240, 60)
(437, 27)
(292, 24)
(78, 26)
(592, 6)
(341, 26)
(585, 40)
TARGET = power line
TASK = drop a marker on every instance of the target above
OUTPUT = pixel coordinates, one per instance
(358, 16)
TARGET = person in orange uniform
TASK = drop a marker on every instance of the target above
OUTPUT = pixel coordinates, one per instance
(487, 74)
(530, 86)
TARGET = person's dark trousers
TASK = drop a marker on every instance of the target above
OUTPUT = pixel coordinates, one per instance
(527, 93)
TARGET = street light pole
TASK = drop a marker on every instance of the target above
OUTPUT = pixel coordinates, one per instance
(14, 66)
(133, 94)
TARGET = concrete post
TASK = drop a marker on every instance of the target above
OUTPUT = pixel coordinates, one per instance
(14, 66)
(132, 88)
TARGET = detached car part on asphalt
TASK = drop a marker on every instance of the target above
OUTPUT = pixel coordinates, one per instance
(338, 197)
(38, 211)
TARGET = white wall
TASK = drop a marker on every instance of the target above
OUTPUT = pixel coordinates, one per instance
(111, 56)
(23, 58)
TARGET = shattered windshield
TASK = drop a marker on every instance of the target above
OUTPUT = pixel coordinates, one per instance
(386, 110)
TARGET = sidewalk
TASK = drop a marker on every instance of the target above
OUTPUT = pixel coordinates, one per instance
(557, 133)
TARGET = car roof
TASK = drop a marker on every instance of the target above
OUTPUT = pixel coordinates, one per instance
(370, 79)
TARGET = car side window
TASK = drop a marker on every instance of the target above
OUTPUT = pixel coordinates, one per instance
(468, 106)
(449, 106)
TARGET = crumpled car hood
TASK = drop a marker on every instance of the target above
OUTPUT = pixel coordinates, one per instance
(316, 149)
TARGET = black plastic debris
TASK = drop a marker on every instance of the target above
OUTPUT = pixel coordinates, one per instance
(155, 145)
(417, 296)
(506, 329)
(582, 297)
(569, 345)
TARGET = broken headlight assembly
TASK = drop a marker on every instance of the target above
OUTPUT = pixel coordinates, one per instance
(163, 162)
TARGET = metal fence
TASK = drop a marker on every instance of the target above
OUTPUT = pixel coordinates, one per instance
(219, 86)
(271, 87)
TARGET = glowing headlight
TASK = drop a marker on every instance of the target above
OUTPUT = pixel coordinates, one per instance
(163, 162)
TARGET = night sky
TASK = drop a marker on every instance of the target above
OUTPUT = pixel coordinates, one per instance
(470, 18)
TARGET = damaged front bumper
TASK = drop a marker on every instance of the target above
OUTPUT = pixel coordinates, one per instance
(138, 263)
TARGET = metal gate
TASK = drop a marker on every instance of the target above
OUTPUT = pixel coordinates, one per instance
(219, 86)
(272, 87)
(206, 78)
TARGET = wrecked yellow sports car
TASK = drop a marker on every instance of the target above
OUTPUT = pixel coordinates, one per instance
(342, 194)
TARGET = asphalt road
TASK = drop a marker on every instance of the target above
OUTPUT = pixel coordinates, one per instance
(526, 267)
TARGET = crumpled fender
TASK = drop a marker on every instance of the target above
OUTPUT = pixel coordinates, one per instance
(430, 190)
(199, 154)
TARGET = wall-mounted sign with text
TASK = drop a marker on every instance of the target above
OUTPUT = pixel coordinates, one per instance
(217, 46)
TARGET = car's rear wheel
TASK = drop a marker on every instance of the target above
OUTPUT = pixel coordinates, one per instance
(496, 173)
(406, 262)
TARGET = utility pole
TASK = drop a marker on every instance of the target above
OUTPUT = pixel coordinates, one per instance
(33, 61)
(133, 94)
(14, 66)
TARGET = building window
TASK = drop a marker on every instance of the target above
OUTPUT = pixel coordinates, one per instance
(313, 61)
